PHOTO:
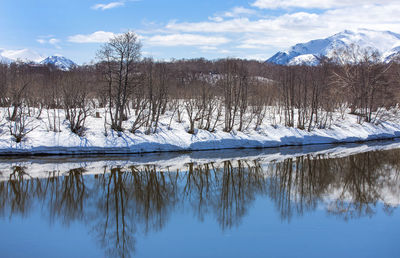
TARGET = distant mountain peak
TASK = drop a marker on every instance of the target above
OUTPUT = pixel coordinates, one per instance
(385, 42)
(31, 57)
(60, 62)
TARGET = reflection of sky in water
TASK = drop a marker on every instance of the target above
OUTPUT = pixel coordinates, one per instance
(261, 234)
(241, 212)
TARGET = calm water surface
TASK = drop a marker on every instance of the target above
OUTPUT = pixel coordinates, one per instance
(319, 201)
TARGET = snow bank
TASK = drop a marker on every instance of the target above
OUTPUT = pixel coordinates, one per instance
(175, 138)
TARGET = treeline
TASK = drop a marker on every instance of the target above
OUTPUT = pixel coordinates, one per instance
(232, 94)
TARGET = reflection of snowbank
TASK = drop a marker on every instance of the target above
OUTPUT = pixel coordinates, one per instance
(42, 167)
(176, 138)
(385, 186)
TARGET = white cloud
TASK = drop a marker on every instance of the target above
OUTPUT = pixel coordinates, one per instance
(185, 40)
(108, 6)
(95, 37)
(208, 48)
(235, 12)
(224, 51)
(320, 4)
(241, 25)
(259, 57)
(239, 11)
(54, 41)
(216, 18)
(291, 28)
(49, 40)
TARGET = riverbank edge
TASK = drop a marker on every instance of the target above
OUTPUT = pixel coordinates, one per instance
(206, 145)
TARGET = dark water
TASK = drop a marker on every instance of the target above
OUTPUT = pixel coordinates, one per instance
(292, 202)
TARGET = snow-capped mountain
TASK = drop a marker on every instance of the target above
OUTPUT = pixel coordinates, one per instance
(59, 62)
(386, 42)
(32, 57)
(22, 55)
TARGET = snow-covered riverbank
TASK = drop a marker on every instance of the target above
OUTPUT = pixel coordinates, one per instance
(175, 137)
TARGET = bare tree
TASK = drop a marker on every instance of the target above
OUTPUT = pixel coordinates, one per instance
(76, 102)
(20, 126)
(118, 62)
(362, 75)
(287, 81)
(234, 84)
(156, 84)
(3, 84)
(19, 81)
(193, 107)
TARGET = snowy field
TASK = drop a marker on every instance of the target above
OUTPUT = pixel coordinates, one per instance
(172, 135)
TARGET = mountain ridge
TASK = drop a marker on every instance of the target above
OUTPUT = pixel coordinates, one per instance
(31, 57)
(60, 62)
(387, 43)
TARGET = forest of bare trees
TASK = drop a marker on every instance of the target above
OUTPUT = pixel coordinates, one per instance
(232, 94)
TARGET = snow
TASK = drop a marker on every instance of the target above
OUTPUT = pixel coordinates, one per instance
(386, 42)
(307, 59)
(44, 141)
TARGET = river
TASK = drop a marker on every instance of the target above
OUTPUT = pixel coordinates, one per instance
(312, 201)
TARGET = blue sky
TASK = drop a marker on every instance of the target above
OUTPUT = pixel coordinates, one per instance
(182, 29)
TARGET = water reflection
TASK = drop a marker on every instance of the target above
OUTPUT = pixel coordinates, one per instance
(349, 186)
(117, 202)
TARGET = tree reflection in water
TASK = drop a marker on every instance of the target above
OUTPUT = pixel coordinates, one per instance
(117, 203)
